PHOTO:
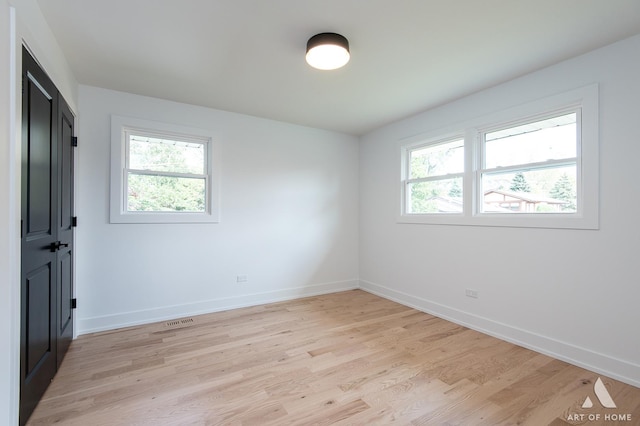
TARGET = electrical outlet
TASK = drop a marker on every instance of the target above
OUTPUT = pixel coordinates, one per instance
(471, 293)
(242, 279)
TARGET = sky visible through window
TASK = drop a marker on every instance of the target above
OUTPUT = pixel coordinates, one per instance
(166, 175)
(528, 167)
(544, 156)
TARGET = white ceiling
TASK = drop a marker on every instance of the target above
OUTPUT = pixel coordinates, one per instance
(247, 56)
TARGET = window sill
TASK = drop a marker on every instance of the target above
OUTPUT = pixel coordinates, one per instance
(144, 217)
(516, 220)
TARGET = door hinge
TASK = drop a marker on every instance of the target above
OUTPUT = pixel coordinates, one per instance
(74, 221)
(74, 303)
(74, 141)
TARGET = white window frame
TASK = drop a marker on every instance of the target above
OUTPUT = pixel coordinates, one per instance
(584, 100)
(120, 128)
(406, 164)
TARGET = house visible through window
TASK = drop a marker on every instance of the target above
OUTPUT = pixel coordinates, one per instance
(536, 165)
(531, 167)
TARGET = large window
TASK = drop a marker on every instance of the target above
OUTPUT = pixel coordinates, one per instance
(161, 173)
(535, 166)
(531, 167)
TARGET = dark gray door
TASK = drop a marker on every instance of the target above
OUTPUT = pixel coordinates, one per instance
(64, 258)
(47, 234)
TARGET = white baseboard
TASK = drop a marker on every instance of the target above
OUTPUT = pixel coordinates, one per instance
(615, 368)
(618, 369)
(127, 319)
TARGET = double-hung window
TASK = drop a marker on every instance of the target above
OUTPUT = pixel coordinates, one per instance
(535, 165)
(435, 172)
(165, 173)
(531, 166)
(162, 173)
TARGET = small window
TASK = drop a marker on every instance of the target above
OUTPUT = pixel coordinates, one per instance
(435, 178)
(165, 173)
(161, 173)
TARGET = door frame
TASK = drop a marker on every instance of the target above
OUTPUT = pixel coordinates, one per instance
(10, 161)
(19, 25)
(14, 170)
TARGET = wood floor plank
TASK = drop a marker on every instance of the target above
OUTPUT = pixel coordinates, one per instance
(347, 358)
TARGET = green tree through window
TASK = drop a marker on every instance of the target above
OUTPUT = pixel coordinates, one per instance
(520, 184)
(165, 175)
(564, 190)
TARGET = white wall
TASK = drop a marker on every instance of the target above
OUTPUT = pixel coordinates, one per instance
(8, 269)
(570, 293)
(35, 33)
(289, 214)
(21, 21)
(574, 294)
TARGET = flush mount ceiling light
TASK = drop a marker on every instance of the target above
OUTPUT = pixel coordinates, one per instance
(327, 51)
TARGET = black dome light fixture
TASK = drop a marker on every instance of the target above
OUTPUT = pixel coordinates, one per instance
(328, 51)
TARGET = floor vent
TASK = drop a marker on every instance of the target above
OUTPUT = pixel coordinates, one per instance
(180, 323)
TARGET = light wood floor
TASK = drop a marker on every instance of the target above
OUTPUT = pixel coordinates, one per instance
(346, 358)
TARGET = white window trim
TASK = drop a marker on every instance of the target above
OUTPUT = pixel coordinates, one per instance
(117, 211)
(421, 143)
(587, 217)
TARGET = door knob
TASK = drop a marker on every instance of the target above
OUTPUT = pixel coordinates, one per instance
(57, 245)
